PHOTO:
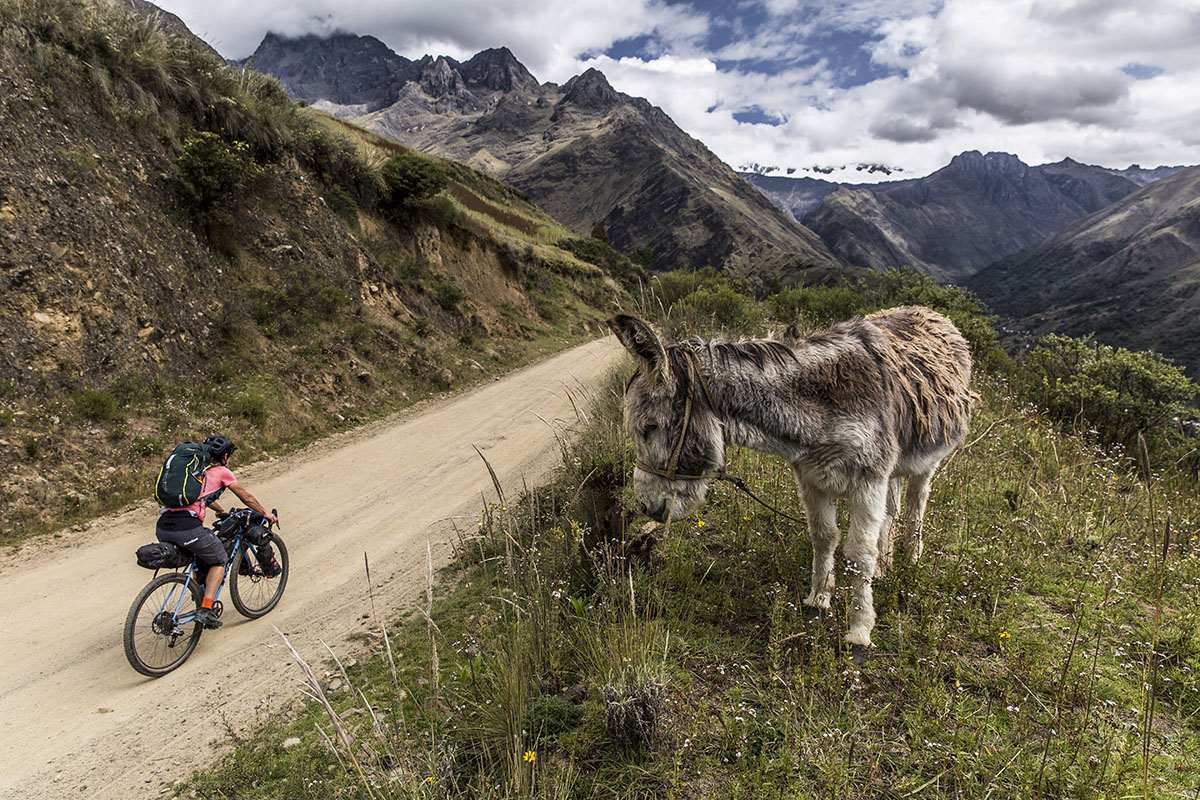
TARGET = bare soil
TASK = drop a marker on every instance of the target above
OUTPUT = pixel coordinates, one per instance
(76, 720)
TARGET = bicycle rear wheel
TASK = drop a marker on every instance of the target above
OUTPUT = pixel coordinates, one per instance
(161, 629)
(253, 593)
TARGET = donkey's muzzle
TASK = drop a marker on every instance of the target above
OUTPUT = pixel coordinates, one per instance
(660, 512)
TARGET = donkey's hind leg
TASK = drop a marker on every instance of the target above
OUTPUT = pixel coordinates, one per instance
(915, 498)
(821, 510)
(868, 505)
(887, 530)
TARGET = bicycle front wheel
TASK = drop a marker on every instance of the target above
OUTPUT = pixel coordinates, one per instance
(252, 592)
(161, 629)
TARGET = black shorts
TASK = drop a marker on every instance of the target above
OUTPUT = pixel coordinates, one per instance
(181, 528)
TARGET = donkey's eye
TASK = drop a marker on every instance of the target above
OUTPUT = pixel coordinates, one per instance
(649, 429)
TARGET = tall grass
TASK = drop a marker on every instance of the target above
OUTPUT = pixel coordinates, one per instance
(1047, 645)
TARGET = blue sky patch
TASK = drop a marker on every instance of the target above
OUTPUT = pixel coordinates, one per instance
(644, 47)
(756, 116)
(1142, 72)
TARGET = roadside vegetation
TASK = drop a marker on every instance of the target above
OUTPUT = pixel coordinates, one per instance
(346, 276)
(1047, 644)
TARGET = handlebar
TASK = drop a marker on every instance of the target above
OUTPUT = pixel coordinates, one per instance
(241, 512)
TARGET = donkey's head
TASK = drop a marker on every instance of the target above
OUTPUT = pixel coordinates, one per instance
(668, 413)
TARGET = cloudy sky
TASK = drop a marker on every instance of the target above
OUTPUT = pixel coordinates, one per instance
(803, 84)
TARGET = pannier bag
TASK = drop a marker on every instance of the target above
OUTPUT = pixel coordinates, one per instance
(181, 479)
(258, 535)
(266, 560)
(162, 555)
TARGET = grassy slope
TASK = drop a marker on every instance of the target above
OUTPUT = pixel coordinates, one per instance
(325, 314)
(1046, 645)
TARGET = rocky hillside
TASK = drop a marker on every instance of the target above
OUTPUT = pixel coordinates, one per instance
(963, 217)
(584, 152)
(1129, 273)
(183, 250)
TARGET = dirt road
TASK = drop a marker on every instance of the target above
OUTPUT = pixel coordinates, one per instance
(77, 721)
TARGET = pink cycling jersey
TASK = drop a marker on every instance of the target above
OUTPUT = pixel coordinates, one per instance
(215, 477)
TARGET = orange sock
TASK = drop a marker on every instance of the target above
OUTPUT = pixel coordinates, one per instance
(206, 602)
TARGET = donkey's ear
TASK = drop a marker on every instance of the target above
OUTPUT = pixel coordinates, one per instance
(640, 340)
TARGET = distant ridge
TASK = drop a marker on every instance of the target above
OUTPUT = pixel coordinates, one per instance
(1129, 273)
(976, 210)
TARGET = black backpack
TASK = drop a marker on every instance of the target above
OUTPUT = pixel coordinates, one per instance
(181, 478)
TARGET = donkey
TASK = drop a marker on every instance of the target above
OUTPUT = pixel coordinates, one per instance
(852, 409)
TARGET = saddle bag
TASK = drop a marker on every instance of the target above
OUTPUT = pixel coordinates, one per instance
(162, 555)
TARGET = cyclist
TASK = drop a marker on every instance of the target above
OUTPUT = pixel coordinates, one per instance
(185, 526)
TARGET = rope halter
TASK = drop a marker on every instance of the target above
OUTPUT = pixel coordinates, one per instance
(695, 374)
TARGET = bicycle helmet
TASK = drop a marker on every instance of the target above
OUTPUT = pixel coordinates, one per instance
(219, 446)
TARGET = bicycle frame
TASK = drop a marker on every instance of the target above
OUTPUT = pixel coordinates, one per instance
(193, 572)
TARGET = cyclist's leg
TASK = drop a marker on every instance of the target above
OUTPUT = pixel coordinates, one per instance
(186, 531)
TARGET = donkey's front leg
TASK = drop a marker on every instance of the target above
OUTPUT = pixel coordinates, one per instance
(868, 503)
(821, 510)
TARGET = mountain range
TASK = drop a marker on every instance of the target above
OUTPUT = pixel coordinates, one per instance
(584, 152)
(976, 210)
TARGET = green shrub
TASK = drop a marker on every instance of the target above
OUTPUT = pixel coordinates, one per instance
(305, 299)
(423, 326)
(726, 307)
(252, 405)
(336, 161)
(147, 446)
(550, 716)
(340, 203)
(642, 256)
(669, 288)
(1119, 392)
(439, 211)
(409, 178)
(31, 445)
(97, 405)
(598, 252)
(447, 292)
(213, 169)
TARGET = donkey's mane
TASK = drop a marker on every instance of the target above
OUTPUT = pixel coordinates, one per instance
(758, 352)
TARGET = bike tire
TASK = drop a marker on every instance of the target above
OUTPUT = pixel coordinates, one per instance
(255, 594)
(150, 648)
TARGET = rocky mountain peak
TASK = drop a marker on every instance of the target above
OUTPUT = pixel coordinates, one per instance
(972, 161)
(342, 68)
(590, 90)
(499, 70)
(439, 79)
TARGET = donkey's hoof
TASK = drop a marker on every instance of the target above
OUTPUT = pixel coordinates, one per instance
(860, 654)
(815, 616)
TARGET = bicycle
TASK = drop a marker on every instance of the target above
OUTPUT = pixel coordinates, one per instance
(161, 628)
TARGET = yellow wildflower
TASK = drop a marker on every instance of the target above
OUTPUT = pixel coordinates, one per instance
(530, 756)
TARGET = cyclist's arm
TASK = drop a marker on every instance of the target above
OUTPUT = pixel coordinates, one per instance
(244, 495)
